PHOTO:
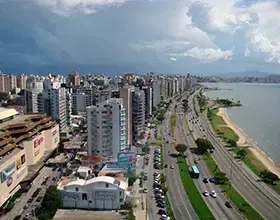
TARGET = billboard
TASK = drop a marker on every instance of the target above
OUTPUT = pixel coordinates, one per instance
(126, 157)
(8, 172)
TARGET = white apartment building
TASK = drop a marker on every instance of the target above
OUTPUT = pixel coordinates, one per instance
(106, 128)
(54, 102)
(138, 112)
(126, 95)
(102, 193)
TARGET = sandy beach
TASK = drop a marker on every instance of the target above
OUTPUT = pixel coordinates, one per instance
(244, 141)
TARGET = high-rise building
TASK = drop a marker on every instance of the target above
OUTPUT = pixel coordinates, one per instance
(34, 101)
(138, 112)
(7, 83)
(79, 102)
(21, 81)
(54, 102)
(148, 101)
(156, 93)
(126, 95)
(74, 78)
(106, 124)
(102, 95)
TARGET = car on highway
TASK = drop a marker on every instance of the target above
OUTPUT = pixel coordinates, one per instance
(212, 180)
(165, 166)
(206, 193)
(213, 194)
(228, 204)
(26, 206)
(172, 166)
(30, 200)
(205, 180)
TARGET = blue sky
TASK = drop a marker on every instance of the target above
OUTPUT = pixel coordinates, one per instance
(198, 36)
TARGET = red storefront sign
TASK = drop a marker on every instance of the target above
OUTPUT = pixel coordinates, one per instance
(37, 142)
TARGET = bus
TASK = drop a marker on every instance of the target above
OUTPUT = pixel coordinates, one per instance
(195, 172)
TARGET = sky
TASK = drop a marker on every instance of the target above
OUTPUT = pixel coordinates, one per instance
(162, 36)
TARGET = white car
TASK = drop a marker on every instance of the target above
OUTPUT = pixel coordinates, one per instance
(145, 190)
(165, 216)
(213, 194)
(205, 193)
(172, 166)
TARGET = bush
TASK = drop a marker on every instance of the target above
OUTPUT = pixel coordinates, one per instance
(269, 177)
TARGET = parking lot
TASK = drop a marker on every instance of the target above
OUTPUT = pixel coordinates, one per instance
(155, 197)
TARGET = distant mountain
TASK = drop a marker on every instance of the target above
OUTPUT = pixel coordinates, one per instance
(244, 74)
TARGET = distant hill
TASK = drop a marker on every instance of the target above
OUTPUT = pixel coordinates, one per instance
(245, 74)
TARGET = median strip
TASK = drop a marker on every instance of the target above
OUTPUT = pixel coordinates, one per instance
(173, 123)
(192, 192)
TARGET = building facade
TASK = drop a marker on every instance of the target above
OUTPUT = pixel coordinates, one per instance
(106, 124)
(25, 139)
(126, 95)
(99, 193)
(138, 112)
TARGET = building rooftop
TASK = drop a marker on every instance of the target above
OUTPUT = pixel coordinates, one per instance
(6, 113)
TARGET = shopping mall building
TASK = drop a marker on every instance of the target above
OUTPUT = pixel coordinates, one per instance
(24, 141)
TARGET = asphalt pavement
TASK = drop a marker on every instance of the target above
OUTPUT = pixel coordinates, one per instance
(216, 205)
(243, 180)
(180, 203)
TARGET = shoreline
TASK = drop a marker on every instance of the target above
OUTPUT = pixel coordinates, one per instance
(245, 141)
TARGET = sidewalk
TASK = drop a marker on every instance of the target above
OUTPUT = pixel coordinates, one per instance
(139, 205)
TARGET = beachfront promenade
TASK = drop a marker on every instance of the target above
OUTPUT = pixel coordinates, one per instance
(260, 196)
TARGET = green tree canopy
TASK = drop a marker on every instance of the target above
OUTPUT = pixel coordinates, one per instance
(221, 178)
(232, 143)
(269, 177)
(203, 144)
(242, 153)
(181, 148)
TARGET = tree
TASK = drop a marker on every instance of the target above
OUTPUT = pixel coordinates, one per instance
(164, 190)
(131, 216)
(203, 145)
(221, 178)
(232, 143)
(181, 148)
(162, 178)
(269, 177)
(242, 153)
(50, 203)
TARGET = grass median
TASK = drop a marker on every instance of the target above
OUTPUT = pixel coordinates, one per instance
(243, 206)
(194, 195)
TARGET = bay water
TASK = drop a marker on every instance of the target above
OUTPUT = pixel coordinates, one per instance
(259, 116)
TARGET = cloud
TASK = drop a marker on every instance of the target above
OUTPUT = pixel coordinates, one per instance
(247, 52)
(207, 54)
(173, 59)
(65, 7)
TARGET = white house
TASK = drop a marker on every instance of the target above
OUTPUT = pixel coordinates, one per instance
(101, 193)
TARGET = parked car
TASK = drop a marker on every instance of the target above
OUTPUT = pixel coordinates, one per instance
(228, 204)
(213, 194)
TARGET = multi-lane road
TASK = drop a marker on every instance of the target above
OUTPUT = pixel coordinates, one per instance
(180, 203)
(216, 205)
(244, 181)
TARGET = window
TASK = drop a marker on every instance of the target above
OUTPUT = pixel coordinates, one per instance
(84, 196)
(77, 189)
(120, 193)
(107, 185)
(121, 200)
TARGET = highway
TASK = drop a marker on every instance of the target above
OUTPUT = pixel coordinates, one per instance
(244, 181)
(216, 205)
(180, 203)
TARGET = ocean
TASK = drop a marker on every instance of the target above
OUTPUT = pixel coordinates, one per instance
(259, 116)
